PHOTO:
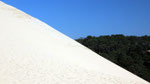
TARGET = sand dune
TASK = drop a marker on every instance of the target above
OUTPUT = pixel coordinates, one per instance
(31, 52)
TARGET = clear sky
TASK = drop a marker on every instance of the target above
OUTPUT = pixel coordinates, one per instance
(79, 18)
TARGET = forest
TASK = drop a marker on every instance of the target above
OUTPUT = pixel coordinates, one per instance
(129, 52)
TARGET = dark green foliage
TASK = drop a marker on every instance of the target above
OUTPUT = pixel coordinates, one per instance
(129, 52)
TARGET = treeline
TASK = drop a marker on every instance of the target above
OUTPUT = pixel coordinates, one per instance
(129, 52)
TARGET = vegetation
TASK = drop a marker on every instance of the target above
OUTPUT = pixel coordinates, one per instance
(129, 52)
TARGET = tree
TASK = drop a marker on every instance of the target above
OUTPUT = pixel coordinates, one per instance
(129, 52)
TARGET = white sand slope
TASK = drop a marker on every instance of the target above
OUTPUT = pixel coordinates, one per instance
(31, 52)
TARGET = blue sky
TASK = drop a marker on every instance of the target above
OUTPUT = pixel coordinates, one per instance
(79, 18)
